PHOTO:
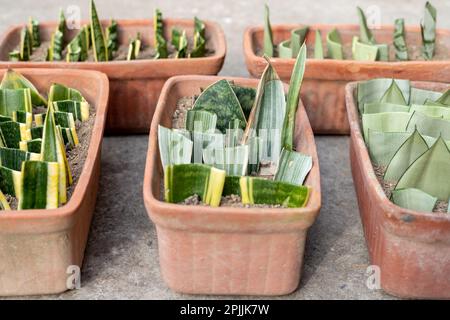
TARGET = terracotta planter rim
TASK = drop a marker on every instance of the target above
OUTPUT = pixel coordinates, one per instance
(251, 54)
(219, 51)
(389, 208)
(290, 215)
(94, 146)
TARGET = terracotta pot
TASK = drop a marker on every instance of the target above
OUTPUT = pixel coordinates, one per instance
(323, 88)
(206, 250)
(38, 246)
(135, 85)
(411, 248)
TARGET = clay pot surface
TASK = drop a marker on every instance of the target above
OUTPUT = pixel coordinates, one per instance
(134, 85)
(38, 247)
(323, 90)
(411, 248)
(238, 251)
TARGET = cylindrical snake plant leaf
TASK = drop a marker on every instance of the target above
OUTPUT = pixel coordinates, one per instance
(33, 27)
(12, 133)
(174, 148)
(39, 185)
(53, 151)
(295, 85)
(414, 199)
(269, 192)
(112, 38)
(59, 92)
(15, 100)
(220, 99)
(32, 146)
(99, 45)
(11, 181)
(401, 50)
(268, 35)
(134, 48)
(365, 34)
(428, 30)
(184, 180)
(334, 45)
(23, 117)
(318, 46)
(412, 149)
(430, 172)
(298, 37)
(4, 205)
(293, 167)
(79, 110)
(284, 49)
(14, 80)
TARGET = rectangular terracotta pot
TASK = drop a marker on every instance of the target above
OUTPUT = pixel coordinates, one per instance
(411, 248)
(134, 85)
(238, 251)
(38, 246)
(323, 90)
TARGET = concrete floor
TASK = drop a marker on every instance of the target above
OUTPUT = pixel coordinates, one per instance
(122, 257)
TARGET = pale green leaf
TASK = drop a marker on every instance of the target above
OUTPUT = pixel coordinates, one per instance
(334, 45)
(430, 172)
(233, 160)
(14, 80)
(174, 148)
(385, 122)
(419, 96)
(298, 37)
(433, 127)
(393, 95)
(318, 46)
(365, 34)
(432, 111)
(383, 145)
(414, 199)
(428, 31)
(268, 36)
(377, 107)
(284, 49)
(373, 90)
(201, 121)
(293, 167)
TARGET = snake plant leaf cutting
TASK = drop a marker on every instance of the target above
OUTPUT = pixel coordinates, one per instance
(420, 96)
(373, 90)
(383, 145)
(79, 110)
(233, 160)
(293, 97)
(430, 126)
(66, 123)
(201, 121)
(158, 37)
(293, 167)
(77, 49)
(268, 35)
(13, 158)
(414, 199)
(199, 49)
(184, 180)
(432, 111)
(25, 49)
(53, 151)
(33, 146)
(14, 80)
(318, 46)
(14, 55)
(284, 49)
(182, 46)
(386, 122)
(378, 107)
(401, 50)
(23, 117)
(112, 38)
(12, 133)
(393, 95)
(56, 47)
(246, 97)
(200, 27)
(298, 38)
(365, 34)
(334, 45)
(15, 100)
(134, 48)
(4, 205)
(11, 181)
(444, 98)
(220, 99)
(428, 28)
(40, 185)
(262, 191)
(430, 172)
(33, 28)
(36, 132)
(174, 148)
(99, 45)
(59, 92)
(412, 149)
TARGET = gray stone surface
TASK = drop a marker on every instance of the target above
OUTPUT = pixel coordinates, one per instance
(122, 256)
